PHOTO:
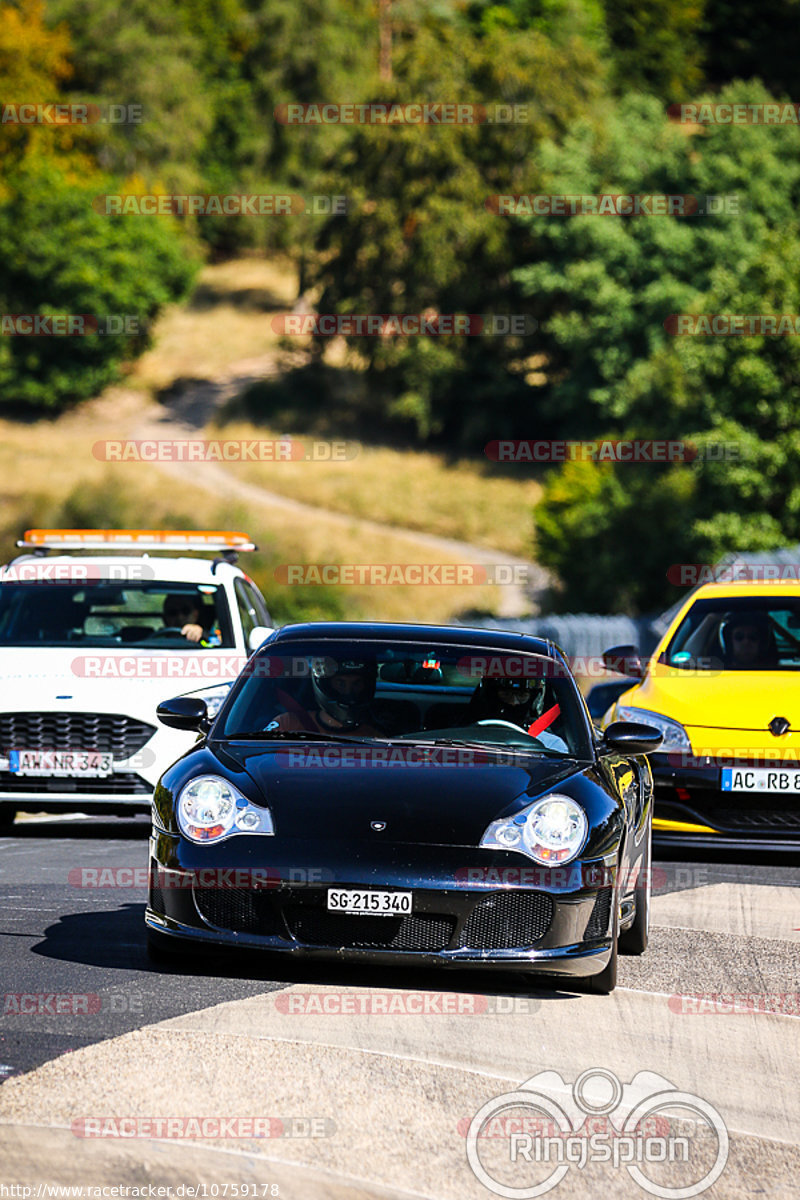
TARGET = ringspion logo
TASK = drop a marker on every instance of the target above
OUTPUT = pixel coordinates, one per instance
(524, 1143)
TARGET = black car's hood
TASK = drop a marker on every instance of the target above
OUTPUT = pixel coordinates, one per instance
(311, 794)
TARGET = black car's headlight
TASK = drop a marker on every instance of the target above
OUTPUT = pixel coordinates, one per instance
(552, 830)
(211, 809)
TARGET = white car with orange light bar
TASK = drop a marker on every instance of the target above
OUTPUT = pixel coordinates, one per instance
(96, 628)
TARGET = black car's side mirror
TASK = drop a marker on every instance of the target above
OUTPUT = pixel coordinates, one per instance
(631, 737)
(184, 712)
(625, 660)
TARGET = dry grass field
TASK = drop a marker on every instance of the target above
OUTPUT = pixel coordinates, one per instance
(51, 473)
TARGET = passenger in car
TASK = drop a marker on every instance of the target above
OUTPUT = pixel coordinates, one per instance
(748, 642)
(343, 692)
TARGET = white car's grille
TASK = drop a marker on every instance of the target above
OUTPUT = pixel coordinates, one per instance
(122, 735)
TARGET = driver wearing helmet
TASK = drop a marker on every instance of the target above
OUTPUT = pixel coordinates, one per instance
(344, 691)
(517, 702)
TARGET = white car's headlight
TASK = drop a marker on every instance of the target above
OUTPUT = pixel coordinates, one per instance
(552, 830)
(675, 736)
(210, 809)
(214, 697)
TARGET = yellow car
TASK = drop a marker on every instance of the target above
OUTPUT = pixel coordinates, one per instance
(723, 686)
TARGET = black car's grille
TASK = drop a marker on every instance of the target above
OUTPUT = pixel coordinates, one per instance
(122, 735)
(507, 921)
(421, 932)
(156, 895)
(123, 784)
(601, 915)
(240, 910)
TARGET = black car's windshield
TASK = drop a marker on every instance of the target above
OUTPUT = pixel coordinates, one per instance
(180, 616)
(442, 694)
(743, 633)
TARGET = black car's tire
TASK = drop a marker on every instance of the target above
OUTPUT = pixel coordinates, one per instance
(7, 815)
(634, 940)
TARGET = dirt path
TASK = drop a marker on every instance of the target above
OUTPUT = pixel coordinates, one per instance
(187, 415)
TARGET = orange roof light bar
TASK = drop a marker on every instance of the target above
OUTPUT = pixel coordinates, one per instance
(134, 539)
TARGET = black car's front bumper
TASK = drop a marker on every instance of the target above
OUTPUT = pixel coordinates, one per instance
(691, 808)
(456, 922)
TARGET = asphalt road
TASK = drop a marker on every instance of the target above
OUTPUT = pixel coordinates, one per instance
(369, 1079)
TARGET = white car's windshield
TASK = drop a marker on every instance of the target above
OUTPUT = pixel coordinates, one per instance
(148, 615)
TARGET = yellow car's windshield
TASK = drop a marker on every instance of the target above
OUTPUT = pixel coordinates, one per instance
(747, 633)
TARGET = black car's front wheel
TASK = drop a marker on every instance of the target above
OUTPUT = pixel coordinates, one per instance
(633, 940)
(7, 815)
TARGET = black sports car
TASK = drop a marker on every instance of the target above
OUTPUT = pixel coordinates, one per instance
(406, 793)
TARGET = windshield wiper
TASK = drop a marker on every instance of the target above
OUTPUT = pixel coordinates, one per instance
(498, 746)
(298, 735)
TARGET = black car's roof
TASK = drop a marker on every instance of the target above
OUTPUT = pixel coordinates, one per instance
(459, 635)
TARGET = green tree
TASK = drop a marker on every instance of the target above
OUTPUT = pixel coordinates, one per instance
(604, 287)
(657, 47)
(742, 39)
(417, 237)
(145, 57)
(61, 257)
